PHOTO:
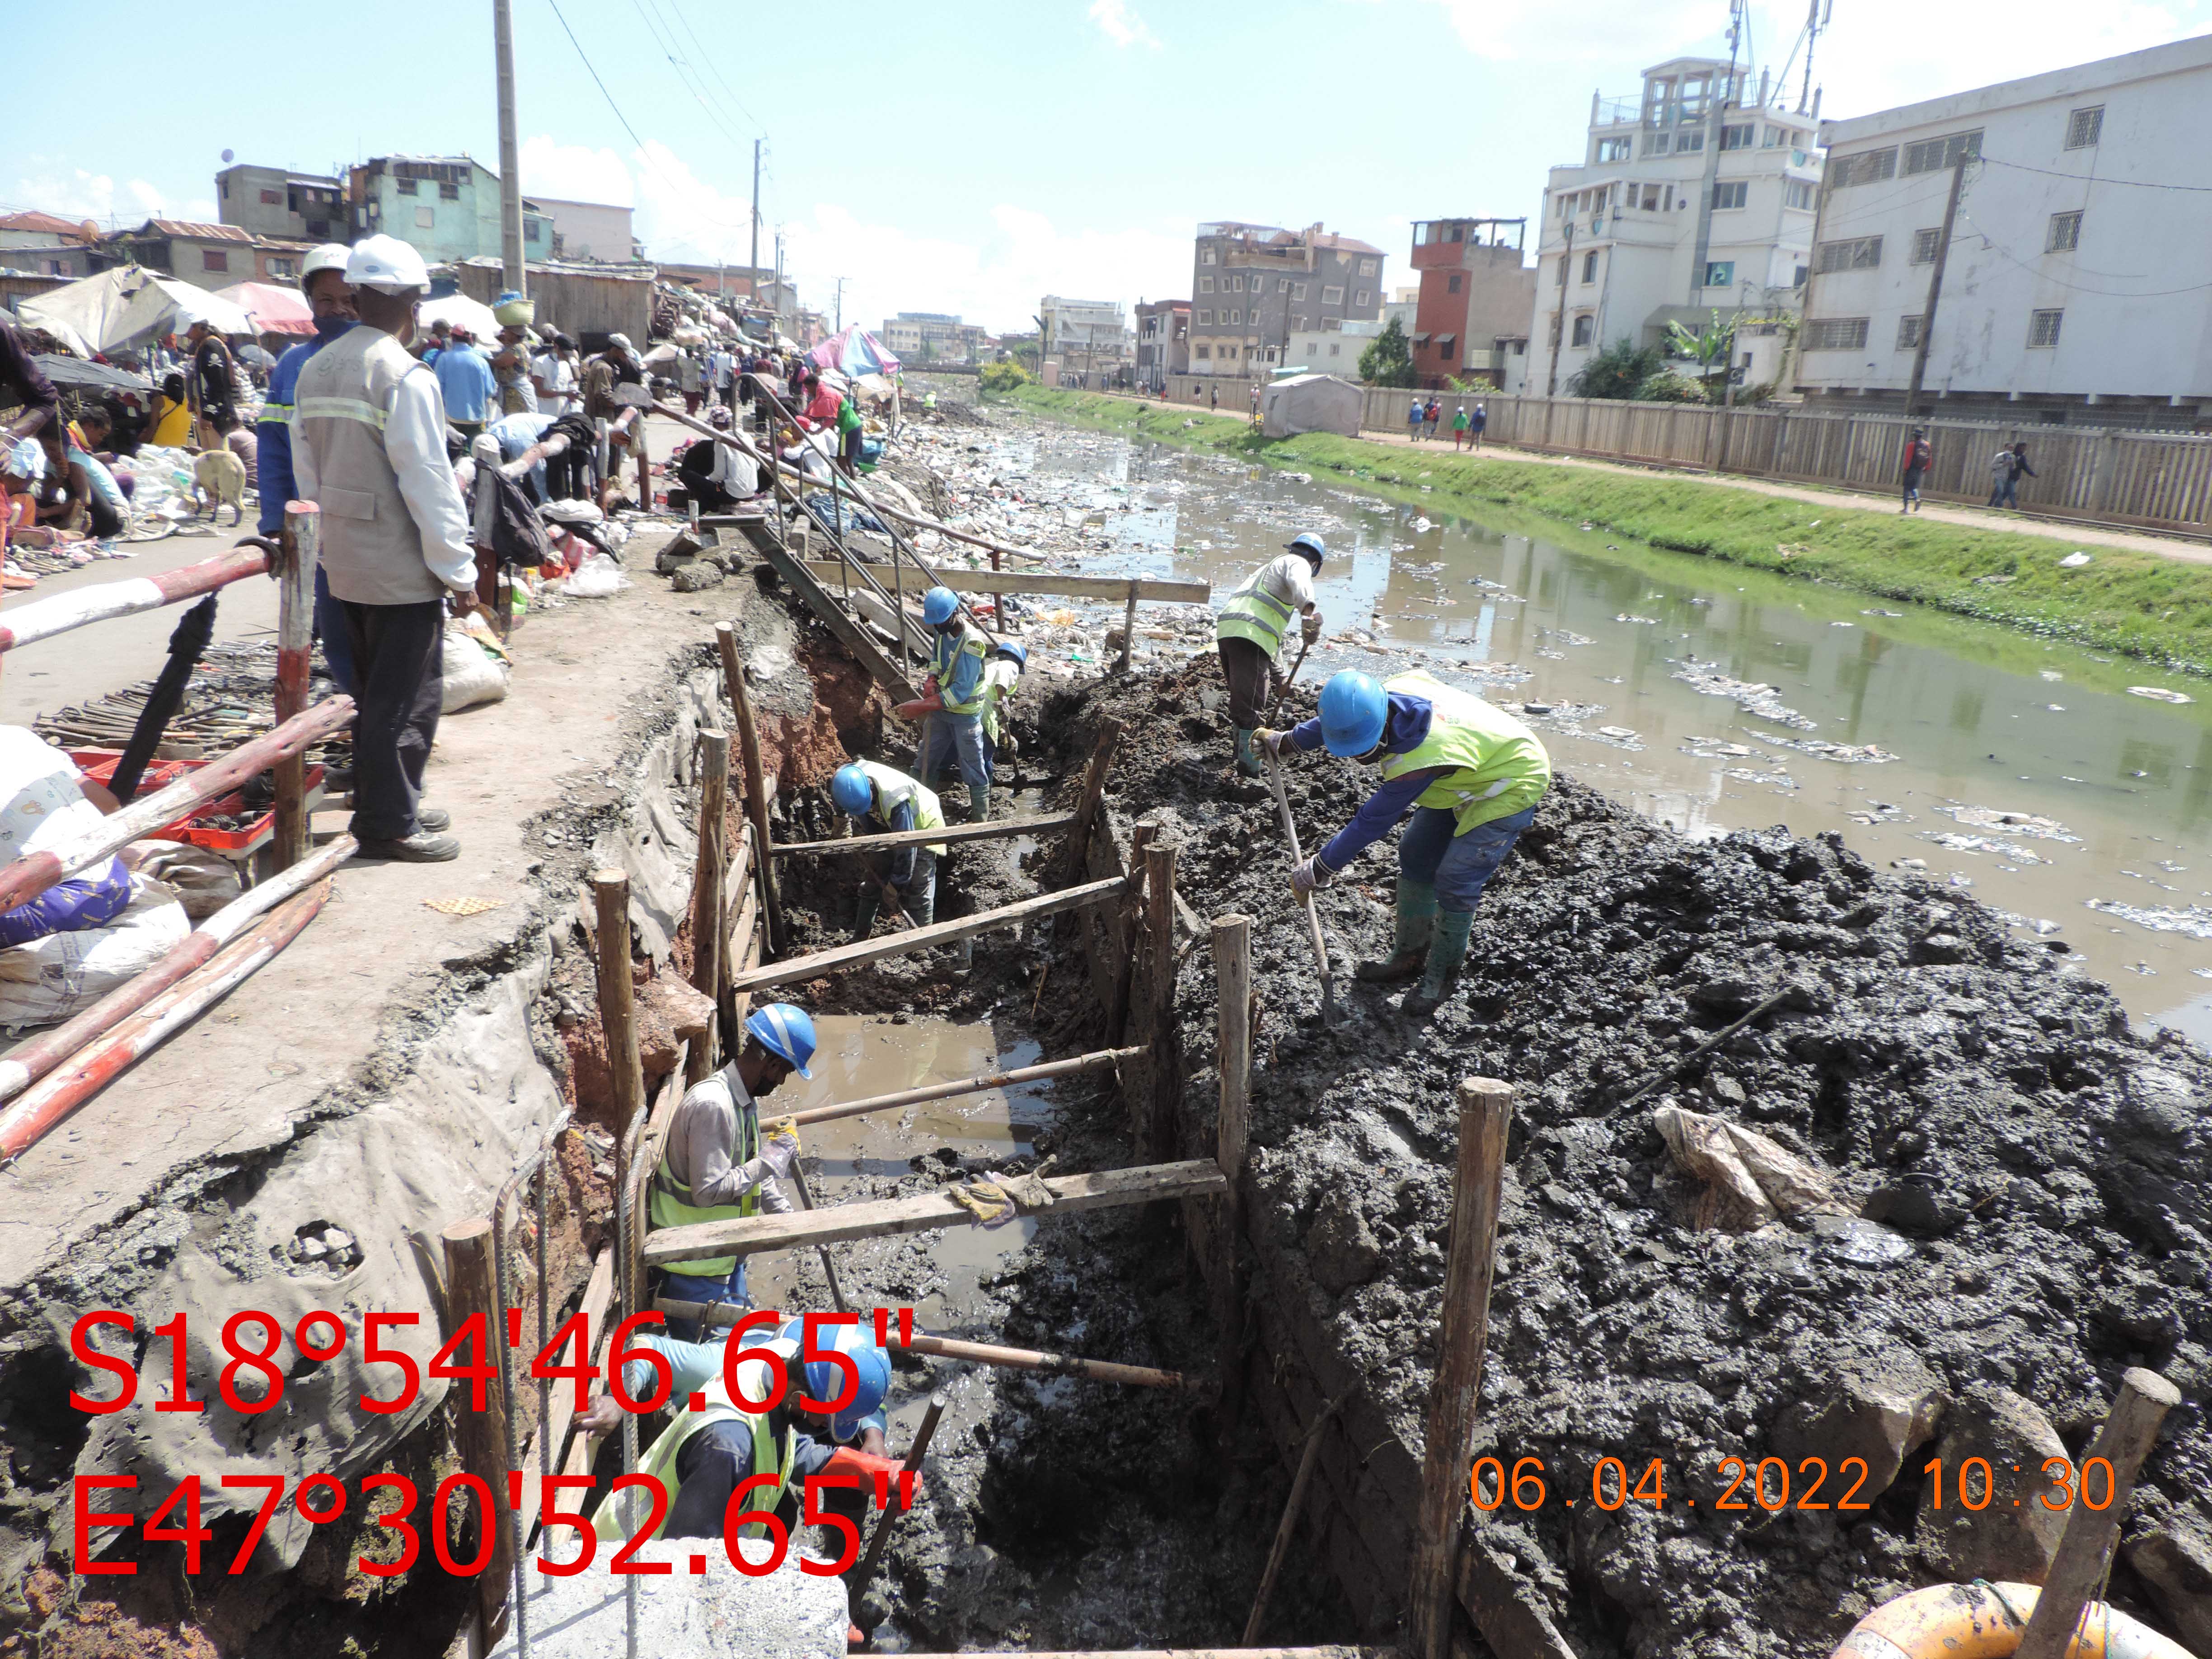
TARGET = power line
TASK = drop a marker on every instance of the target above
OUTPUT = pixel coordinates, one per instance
(2081, 178)
(2002, 252)
(664, 38)
(716, 69)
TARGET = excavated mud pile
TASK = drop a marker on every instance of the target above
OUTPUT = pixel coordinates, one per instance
(2018, 1207)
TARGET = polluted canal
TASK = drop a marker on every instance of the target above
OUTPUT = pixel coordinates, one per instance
(1714, 698)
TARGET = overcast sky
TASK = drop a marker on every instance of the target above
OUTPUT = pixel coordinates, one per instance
(968, 155)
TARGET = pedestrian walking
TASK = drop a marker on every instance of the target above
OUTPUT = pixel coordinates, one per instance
(690, 381)
(465, 382)
(1917, 458)
(1414, 417)
(2021, 470)
(1433, 417)
(2000, 475)
(1459, 428)
(1476, 422)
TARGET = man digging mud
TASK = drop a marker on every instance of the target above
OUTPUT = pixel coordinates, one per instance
(1249, 634)
(1472, 775)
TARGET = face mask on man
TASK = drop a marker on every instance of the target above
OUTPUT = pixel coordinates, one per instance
(329, 328)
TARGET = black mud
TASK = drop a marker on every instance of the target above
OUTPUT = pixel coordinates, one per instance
(1924, 1049)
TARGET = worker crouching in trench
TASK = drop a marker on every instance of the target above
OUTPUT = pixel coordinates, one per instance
(1472, 777)
(882, 799)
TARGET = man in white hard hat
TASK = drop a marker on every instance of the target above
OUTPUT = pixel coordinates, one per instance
(369, 449)
(322, 279)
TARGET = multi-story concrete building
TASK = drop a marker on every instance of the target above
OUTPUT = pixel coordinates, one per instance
(1254, 286)
(589, 230)
(446, 207)
(207, 256)
(1697, 197)
(2070, 289)
(931, 336)
(1476, 295)
(1332, 350)
(1163, 342)
(293, 207)
(1085, 336)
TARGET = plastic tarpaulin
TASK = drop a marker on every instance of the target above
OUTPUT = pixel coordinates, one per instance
(274, 310)
(471, 314)
(854, 352)
(122, 307)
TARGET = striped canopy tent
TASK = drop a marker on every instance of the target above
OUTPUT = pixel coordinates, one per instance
(275, 309)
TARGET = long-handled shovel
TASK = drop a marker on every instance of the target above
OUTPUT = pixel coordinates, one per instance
(1332, 1013)
(1275, 715)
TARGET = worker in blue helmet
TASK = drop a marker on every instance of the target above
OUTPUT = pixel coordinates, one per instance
(882, 799)
(952, 729)
(712, 1447)
(1002, 677)
(1249, 634)
(718, 1161)
(1470, 774)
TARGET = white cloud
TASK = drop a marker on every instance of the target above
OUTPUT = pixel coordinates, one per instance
(575, 172)
(1606, 31)
(52, 187)
(1122, 25)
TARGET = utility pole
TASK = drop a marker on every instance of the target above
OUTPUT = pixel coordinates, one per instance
(754, 279)
(840, 328)
(777, 302)
(510, 163)
(1934, 290)
(1559, 317)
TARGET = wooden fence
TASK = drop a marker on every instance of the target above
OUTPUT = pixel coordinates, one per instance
(2161, 481)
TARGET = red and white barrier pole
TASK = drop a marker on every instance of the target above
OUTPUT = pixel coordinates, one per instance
(42, 619)
(29, 876)
(295, 642)
(29, 1061)
(93, 1067)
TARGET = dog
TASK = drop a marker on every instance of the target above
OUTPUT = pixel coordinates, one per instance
(218, 479)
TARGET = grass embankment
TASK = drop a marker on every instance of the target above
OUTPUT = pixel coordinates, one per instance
(2136, 603)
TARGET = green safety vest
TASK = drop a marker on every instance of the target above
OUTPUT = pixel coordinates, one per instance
(1498, 767)
(998, 679)
(1254, 614)
(610, 1520)
(950, 648)
(893, 789)
(672, 1206)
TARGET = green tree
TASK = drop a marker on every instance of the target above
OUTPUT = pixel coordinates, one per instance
(1388, 360)
(1617, 371)
(1004, 375)
(1710, 348)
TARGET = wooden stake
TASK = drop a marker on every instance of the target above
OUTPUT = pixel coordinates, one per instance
(1486, 1112)
(707, 890)
(618, 995)
(472, 1290)
(748, 750)
(1232, 967)
(1157, 1134)
(1128, 630)
(927, 1212)
(2086, 1548)
(1287, 1528)
(818, 963)
(1086, 803)
(295, 642)
(915, 1452)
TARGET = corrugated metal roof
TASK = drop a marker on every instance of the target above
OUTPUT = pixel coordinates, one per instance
(196, 231)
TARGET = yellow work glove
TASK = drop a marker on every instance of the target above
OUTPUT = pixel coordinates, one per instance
(779, 1144)
(1309, 627)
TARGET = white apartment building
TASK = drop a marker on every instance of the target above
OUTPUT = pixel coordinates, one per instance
(1698, 196)
(2074, 284)
(1085, 334)
(1334, 350)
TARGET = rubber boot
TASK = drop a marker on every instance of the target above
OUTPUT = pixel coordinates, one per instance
(1446, 952)
(1417, 925)
(1248, 759)
(921, 909)
(864, 920)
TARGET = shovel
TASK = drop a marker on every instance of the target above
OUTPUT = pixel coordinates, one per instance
(1275, 715)
(1332, 1015)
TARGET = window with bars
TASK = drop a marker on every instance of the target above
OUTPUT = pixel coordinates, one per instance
(1908, 333)
(1868, 167)
(1923, 246)
(1731, 195)
(1836, 334)
(2043, 327)
(2065, 234)
(2084, 127)
(1933, 155)
(1860, 253)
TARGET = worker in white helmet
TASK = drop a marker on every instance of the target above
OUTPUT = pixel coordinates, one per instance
(369, 449)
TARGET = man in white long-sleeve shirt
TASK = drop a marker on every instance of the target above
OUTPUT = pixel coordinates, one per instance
(369, 448)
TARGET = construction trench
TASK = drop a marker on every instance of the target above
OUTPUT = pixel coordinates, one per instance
(2001, 1205)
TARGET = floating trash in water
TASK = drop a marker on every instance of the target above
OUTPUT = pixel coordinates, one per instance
(2160, 694)
(1763, 700)
(1842, 624)
(2020, 823)
(1648, 622)
(1744, 775)
(2142, 968)
(1621, 734)
(1848, 754)
(1878, 611)
(2055, 707)
(1713, 749)
(2192, 919)
(1957, 843)
(1560, 636)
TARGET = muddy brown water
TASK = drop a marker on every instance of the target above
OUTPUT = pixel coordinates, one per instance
(1984, 723)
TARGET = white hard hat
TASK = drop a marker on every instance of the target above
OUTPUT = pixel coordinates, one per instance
(385, 263)
(331, 256)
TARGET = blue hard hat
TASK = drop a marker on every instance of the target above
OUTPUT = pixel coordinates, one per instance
(938, 606)
(784, 1031)
(825, 1379)
(1312, 546)
(1013, 648)
(1353, 710)
(851, 791)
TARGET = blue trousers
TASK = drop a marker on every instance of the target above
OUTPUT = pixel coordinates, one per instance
(337, 644)
(1459, 866)
(957, 740)
(684, 1287)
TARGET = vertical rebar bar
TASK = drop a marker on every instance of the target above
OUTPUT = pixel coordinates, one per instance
(627, 1290)
(513, 1519)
